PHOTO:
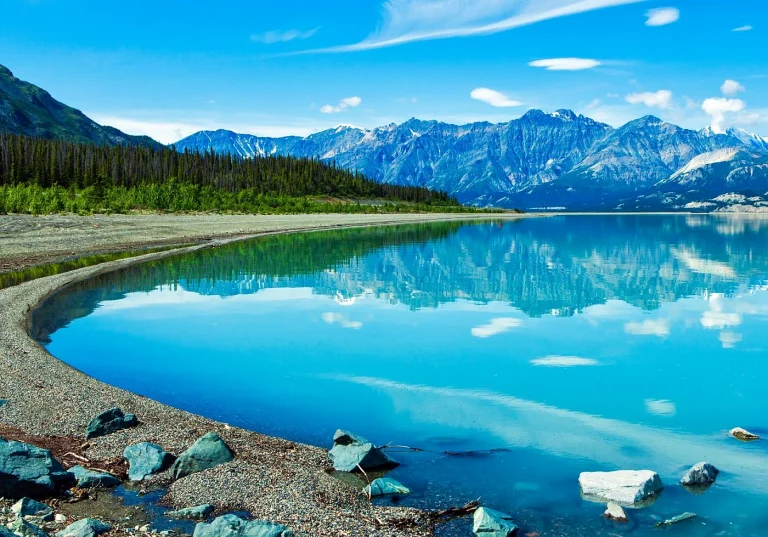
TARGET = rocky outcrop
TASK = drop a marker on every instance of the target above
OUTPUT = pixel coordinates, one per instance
(624, 487)
(385, 486)
(207, 452)
(701, 474)
(146, 459)
(491, 523)
(26, 470)
(110, 421)
(234, 526)
(351, 452)
(87, 527)
(88, 479)
(199, 512)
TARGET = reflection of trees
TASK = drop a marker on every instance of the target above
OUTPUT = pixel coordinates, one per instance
(538, 265)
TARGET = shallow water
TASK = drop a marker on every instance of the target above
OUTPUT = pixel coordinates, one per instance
(577, 343)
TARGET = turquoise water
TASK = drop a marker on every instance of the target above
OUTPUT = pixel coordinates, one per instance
(578, 343)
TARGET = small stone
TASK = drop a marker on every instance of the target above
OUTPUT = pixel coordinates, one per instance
(624, 487)
(234, 526)
(615, 512)
(108, 422)
(700, 474)
(351, 452)
(144, 528)
(491, 523)
(146, 459)
(28, 506)
(87, 527)
(60, 519)
(676, 520)
(207, 452)
(88, 479)
(385, 486)
(199, 512)
(743, 434)
(25, 529)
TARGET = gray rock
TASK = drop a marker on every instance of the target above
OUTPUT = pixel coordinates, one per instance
(350, 451)
(233, 526)
(207, 452)
(146, 459)
(199, 512)
(491, 523)
(624, 487)
(108, 422)
(28, 506)
(26, 470)
(25, 529)
(87, 527)
(385, 486)
(743, 434)
(676, 520)
(614, 511)
(88, 479)
(701, 474)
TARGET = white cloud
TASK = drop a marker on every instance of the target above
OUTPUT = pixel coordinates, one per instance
(729, 339)
(406, 21)
(717, 320)
(717, 108)
(660, 407)
(275, 36)
(662, 16)
(566, 64)
(493, 97)
(341, 320)
(746, 28)
(660, 99)
(731, 87)
(495, 327)
(564, 361)
(347, 102)
(648, 327)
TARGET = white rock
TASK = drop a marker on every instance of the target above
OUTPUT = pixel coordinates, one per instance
(625, 487)
(60, 519)
(743, 434)
(615, 512)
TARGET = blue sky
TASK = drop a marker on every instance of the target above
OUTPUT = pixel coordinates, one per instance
(267, 67)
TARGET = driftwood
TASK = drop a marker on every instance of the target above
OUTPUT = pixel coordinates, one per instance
(455, 512)
(468, 453)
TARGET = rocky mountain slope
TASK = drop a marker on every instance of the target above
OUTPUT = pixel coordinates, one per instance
(31, 111)
(557, 160)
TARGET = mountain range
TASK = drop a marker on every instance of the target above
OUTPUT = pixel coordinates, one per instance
(557, 161)
(29, 110)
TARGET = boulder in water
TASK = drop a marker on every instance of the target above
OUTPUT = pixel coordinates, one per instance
(199, 512)
(491, 523)
(26, 470)
(615, 512)
(743, 434)
(207, 452)
(234, 526)
(350, 451)
(146, 459)
(676, 520)
(701, 474)
(385, 486)
(110, 421)
(87, 527)
(88, 479)
(624, 487)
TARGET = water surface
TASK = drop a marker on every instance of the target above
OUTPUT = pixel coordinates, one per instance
(577, 343)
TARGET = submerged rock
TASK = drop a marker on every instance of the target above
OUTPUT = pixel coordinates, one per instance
(207, 452)
(385, 486)
(615, 512)
(234, 526)
(199, 512)
(24, 529)
(491, 523)
(30, 507)
(26, 470)
(701, 474)
(110, 421)
(625, 487)
(743, 434)
(146, 459)
(675, 520)
(88, 479)
(87, 527)
(350, 451)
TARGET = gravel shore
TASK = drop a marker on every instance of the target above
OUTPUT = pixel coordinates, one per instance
(272, 478)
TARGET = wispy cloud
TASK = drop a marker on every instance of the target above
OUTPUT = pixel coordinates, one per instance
(347, 102)
(746, 28)
(662, 16)
(276, 36)
(495, 327)
(731, 87)
(649, 327)
(406, 21)
(564, 361)
(729, 339)
(493, 97)
(566, 64)
(341, 320)
(659, 99)
(660, 407)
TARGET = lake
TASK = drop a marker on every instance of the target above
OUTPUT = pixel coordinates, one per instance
(568, 343)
